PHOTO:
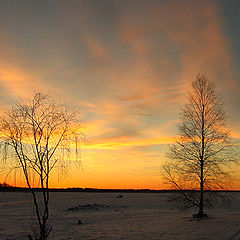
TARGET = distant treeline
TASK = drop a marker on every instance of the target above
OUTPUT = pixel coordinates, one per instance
(4, 187)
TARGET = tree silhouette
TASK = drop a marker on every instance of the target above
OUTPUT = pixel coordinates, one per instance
(37, 132)
(197, 162)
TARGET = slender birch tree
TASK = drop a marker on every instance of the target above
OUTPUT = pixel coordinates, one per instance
(37, 132)
(199, 159)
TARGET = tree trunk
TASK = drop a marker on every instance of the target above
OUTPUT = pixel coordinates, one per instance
(42, 232)
(201, 213)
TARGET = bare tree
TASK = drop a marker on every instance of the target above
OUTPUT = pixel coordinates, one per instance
(37, 132)
(197, 162)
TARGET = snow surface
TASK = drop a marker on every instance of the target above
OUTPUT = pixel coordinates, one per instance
(136, 216)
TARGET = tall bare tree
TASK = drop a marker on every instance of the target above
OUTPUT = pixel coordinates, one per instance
(37, 132)
(197, 162)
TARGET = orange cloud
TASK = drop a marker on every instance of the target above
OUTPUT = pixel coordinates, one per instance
(96, 48)
(195, 31)
(235, 134)
(17, 81)
(97, 127)
(125, 141)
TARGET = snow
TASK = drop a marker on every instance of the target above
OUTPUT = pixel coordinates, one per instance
(136, 216)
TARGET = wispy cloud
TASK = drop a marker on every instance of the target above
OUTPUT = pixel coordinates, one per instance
(16, 81)
(118, 143)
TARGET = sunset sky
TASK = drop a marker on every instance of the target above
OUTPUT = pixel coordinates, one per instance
(127, 66)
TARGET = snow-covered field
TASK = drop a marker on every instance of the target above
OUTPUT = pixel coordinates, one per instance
(136, 216)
